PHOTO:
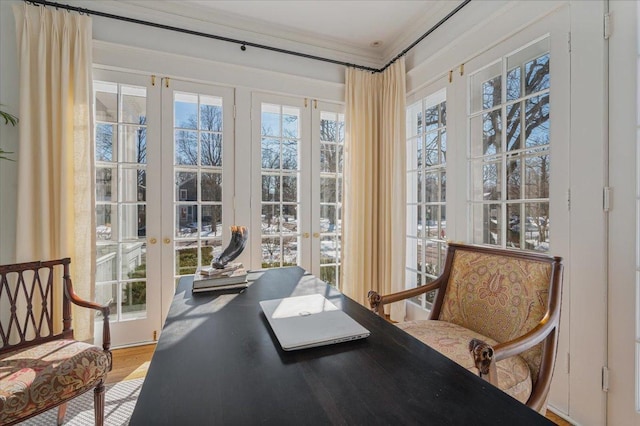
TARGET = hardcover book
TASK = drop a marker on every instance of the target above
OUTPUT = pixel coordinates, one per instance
(238, 276)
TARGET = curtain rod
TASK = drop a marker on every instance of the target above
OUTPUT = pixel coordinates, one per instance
(244, 44)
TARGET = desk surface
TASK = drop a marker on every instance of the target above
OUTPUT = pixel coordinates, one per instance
(217, 362)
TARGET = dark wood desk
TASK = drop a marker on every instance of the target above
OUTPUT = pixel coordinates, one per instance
(218, 363)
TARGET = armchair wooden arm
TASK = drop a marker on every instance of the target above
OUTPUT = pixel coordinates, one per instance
(77, 300)
(377, 302)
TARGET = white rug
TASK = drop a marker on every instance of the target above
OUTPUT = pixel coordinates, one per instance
(119, 402)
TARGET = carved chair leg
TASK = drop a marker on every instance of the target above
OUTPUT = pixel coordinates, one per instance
(98, 403)
(62, 410)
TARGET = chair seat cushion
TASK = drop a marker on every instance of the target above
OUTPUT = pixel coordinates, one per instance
(451, 340)
(39, 377)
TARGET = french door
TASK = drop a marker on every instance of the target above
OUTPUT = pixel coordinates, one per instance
(127, 163)
(164, 192)
(297, 151)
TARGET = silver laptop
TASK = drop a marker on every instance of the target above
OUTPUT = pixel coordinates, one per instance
(302, 322)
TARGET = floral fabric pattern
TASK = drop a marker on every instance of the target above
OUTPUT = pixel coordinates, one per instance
(43, 375)
(451, 340)
(498, 297)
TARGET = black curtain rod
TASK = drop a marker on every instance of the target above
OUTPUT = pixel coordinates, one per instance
(243, 44)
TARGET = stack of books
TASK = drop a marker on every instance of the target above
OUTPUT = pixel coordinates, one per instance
(232, 276)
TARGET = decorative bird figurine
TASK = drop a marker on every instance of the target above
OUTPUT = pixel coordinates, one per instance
(239, 235)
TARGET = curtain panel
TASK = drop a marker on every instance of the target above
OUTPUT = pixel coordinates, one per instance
(56, 196)
(374, 212)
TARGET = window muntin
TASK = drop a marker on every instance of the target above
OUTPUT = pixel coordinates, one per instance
(426, 192)
(509, 150)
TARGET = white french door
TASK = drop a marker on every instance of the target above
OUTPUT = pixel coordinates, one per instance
(197, 178)
(527, 188)
(297, 153)
(127, 162)
(164, 192)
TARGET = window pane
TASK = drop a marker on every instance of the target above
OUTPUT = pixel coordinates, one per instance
(514, 124)
(106, 184)
(185, 111)
(133, 144)
(290, 122)
(134, 105)
(271, 120)
(431, 149)
(106, 101)
(537, 181)
(211, 221)
(290, 154)
(514, 179)
(186, 254)
(491, 178)
(186, 186)
(270, 188)
(431, 118)
(186, 146)
(537, 120)
(271, 219)
(186, 220)
(105, 142)
(105, 217)
(211, 149)
(327, 190)
(210, 113)
(211, 187)
(486, 88)
(414, 119)
(134, 185)
(289, 188)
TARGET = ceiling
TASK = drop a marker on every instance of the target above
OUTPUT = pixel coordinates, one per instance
(374, 30)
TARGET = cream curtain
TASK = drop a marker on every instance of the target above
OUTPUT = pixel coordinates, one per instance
(55, 216)
(374, 199)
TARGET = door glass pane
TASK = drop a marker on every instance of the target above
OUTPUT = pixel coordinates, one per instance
(519, 174)
(280, 175)
(120, 146)
(331, 159)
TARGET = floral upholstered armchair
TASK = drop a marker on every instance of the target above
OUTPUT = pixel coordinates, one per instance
(40, 366)
(496, 313)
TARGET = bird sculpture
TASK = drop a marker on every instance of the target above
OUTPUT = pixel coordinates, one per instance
(239, 235)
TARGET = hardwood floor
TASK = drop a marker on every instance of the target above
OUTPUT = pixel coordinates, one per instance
(132, 363)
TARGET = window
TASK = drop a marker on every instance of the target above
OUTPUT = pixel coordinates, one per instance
(509, 150)
(426, 192)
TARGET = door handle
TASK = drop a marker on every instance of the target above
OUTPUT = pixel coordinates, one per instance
(167, 240)
(305, 235)
(152, 240)
(316, 234)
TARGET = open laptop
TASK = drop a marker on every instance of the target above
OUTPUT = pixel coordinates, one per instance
(308, 321)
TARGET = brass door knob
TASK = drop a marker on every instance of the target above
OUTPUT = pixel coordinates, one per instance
(316, 234)
(152, 240)
(305, 235)
(167, 240)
